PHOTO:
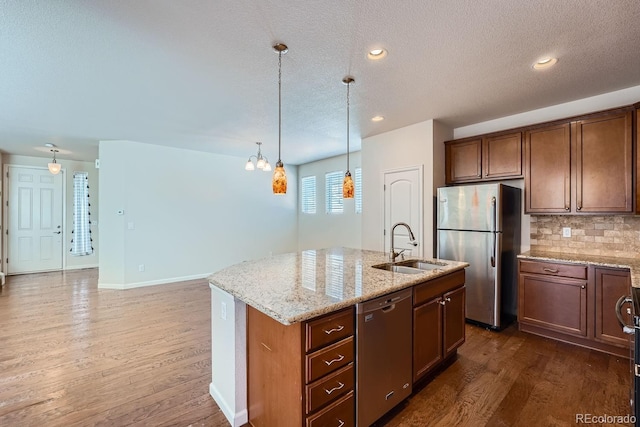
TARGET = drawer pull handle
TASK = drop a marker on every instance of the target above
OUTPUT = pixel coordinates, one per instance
(338, 359)
(335, 388)
(341, 422)
(330, 331)
(550, 270)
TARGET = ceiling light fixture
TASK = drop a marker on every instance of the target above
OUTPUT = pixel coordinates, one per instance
(377, 118)
(377, 53)
(279, 180)
(544, 63)
(54, 167)
(347, 184)
(262, 162)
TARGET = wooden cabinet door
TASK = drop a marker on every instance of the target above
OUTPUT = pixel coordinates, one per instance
(427, 337)
(463, 161)
(453, 320)
(611, 284)
(604, 164)
(547, 169)
(637, 162)
(502, 156)
(554, 303)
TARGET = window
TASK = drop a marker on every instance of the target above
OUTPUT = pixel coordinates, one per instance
(81, 241)
(308, 201)
(358, 189)
(333, 188)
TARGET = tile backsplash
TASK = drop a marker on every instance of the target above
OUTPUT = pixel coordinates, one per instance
(610, 235)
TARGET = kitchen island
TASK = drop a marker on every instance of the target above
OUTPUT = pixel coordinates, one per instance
(286, 295)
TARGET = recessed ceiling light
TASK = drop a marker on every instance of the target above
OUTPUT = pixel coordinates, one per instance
(377, 118)
(544, 63)
(377, 53)
(50, 145)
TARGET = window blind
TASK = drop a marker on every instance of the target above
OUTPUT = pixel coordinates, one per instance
(333, 195)
(81, 234)
(308, 202)
(358, 189)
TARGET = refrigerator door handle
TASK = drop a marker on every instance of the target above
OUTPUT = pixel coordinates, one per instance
(493, 252)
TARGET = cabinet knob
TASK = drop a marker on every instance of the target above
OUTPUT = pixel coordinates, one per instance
(441, 302)
(583, 287)
(567, 208)
(579, 208)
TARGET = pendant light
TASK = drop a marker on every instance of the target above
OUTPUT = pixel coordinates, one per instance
(347, 184)
(279, 180)
(54, 167)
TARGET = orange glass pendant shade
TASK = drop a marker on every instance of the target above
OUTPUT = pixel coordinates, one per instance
(279, 181)
(347, 186)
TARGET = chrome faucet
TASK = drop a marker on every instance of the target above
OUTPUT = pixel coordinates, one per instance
(393, 254)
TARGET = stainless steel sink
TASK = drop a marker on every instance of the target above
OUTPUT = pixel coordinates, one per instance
(412, 266)
(421, 264)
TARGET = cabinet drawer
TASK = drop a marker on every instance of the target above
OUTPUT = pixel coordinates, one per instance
(329, 329)
(437, 287)
(576, 271)
(329, 359)
(330, 388)
(341, 414)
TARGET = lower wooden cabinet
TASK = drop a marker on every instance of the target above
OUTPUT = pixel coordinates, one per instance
(573, 303)
(610, 285)
(438, 322)
(301, 374)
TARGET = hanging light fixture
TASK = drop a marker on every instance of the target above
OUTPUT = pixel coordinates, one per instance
(347, 184)
(279, 180)
(261, 161)
(54, 167)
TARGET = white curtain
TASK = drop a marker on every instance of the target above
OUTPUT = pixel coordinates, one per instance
(81, 240)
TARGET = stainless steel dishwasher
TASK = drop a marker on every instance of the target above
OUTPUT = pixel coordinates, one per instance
(383, 355)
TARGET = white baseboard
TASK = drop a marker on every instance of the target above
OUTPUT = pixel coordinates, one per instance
(151, 282)
(80, 267)
(235, 419)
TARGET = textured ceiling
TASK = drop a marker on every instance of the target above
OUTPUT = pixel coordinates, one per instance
(202, 74)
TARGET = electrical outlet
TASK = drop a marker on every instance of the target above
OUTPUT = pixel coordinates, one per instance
(223, 310)
(566, 231)
(141, 267)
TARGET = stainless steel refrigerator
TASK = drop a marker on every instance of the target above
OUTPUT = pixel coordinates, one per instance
(480, 224)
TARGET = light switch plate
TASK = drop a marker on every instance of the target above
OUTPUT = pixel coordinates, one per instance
(566, 231)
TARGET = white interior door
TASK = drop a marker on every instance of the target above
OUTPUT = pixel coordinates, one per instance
(34, 220)
(403, 203)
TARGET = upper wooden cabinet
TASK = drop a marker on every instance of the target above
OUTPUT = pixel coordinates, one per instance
(463, 161)
(547, 168)
(482, 159)
(502, 156)
(583, 166)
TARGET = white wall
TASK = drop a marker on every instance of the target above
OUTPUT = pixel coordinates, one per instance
(192, 213)
(71, 166)
(2, 266)
(415, 145)
(592, 104)
(323, 230)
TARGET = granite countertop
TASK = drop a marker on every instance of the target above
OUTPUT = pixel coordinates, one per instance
(298, 286)
(633, 264)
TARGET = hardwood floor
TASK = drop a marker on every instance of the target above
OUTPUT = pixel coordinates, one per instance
(74, 355)
(512, 378)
